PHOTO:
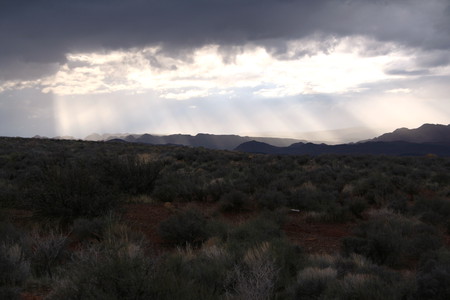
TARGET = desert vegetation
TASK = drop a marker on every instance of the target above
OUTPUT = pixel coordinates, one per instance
(218, 224)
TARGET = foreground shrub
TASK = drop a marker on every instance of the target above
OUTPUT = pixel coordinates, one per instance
(252, 233)
(312, 282)
(392, 240)
(434, 210)
(361, 286)
(72, 192)
(117, 273)
(14, 271)
(193, 274)
(353, 277)
(255, 276)
(433, 278)
(49, 251)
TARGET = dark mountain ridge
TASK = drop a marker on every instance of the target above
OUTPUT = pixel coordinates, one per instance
(211, 141)
(427, 133)
(427, 139)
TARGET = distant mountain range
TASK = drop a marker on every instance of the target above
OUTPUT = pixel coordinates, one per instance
(211, 141)
(427, 139)
(427, 133)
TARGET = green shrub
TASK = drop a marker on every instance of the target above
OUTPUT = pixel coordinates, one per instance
(433, 210)
(72, 192)
(121, 273)
(14, 270)
(88, 229)
(392, 240)
(187, 227)
(134, 175)
(433, 278)
(255, 276)
(252, 233)
(181, 185)
(271, 199)
(49, 252)
(234, 201)
(361, 286)
(193, 275)
(312, 282)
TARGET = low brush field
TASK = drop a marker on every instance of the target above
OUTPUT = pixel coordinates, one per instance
(110, 220)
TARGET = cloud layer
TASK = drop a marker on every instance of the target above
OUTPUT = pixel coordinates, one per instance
(37, 34)
(239, 66)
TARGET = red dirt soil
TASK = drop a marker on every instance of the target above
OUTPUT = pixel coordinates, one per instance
(316, 237)
(313, 237)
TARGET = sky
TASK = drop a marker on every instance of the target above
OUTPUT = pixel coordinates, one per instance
(329, 70)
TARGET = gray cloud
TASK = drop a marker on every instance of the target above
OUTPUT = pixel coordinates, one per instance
(407, 72)
(41, 32)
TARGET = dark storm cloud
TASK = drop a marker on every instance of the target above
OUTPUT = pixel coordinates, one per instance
(42, 31)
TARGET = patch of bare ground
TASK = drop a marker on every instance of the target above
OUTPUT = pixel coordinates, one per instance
(146, 218)
(315, 237)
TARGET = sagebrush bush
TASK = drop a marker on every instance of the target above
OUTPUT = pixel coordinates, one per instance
(187, 227)
(49, 252)
(392, 240)
(14, 270)
(72, 192)
(434, 210)
(312, 282)
(107, 274)
(87, 229)
(252, 233)
(134, 175)
(361, 286)
(255, 277)
(271, 199)
(433, 277)
(191, 274)
(234, 201)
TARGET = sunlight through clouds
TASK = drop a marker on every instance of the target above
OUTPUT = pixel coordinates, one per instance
(205, 72)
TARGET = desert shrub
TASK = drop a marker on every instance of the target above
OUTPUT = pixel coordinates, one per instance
(122, 272)
(14, 270)
(375, 188)
(255, 276)
(357, 205)
(9, 193)
(189, 226)
(181, 185)
(433, 277)
(217, 187)
(10, 234)
(354, 277)
(234, 201)
(72, 192)
(312, 199)
(433, 210)
(87, 229)
(252, 233)
(189, 274)
(49, 251)
(361, 286)
(271, 199)
(392, 240)
(312, 282)
(134, 175)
